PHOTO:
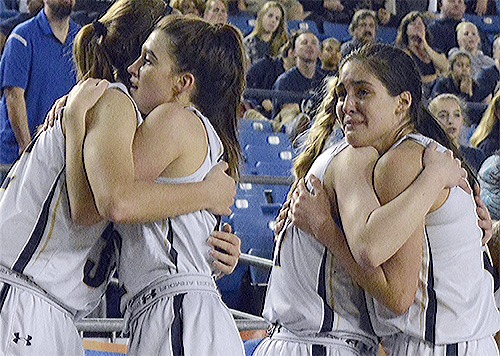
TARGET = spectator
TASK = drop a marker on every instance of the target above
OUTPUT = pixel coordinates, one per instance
(263, 73)
(7, 25)
(195, 7)
(269, 34)
(302, 78)
(216, 11)
(294, 11)
(336, 11)
(469, 41)
(35, 70)
(251, 7)
(481, 7)
(330, 56)
(363, 29)
(460, 81)
(442, 30)
(385, 11)
(489, 180)
(412, 37)
(487, 134)
(448, 109)
(489, 78)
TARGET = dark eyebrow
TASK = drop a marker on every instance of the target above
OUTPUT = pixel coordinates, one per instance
(150, 52)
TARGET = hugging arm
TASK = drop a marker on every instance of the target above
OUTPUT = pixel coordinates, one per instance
(97, 158)
(394, 228)
(109, 168)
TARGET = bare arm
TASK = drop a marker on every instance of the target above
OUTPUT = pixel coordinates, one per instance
(82, 97)
(438, 59)
(109, 165)
(18, 116)
(374, 280)
(395, 283)
(226, 249)
(366, 221)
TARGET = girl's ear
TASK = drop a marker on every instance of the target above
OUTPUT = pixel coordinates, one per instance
(185, 83)
(404, 102)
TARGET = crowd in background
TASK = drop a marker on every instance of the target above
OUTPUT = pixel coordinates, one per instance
(290, 54)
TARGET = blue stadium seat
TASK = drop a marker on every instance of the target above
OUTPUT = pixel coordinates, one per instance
(487, 24)
(274, 169)
(275, 193)
(255, 125)
(251, 131)
(264, 138)
(244, 22)
(278, 155)
(274, 148)
(303, 25)
(336, 30)
(387, 34)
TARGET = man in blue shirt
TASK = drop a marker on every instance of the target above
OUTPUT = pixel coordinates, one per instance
(36, 69)
(304, 77)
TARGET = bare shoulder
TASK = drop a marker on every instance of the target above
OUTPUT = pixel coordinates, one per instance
(397, 169)
(112, 106)
(174, 117)
(358, 154)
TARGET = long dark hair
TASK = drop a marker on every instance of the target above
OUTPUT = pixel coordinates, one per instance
(215, 55)
(104, 49)
(399, 73)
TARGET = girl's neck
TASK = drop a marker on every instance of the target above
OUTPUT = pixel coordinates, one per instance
(393, 137)
(266, 36)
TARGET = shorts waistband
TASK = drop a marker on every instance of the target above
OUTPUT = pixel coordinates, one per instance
(21, 281)
(278, 332)
(168, 287)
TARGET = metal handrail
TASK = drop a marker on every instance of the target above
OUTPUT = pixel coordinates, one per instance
(256, 261)
(244, 322)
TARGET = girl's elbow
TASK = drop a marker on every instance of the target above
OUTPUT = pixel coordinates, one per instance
(85, 217)
(112, 207)
(400, 307)
(366, 259)
(401, 302)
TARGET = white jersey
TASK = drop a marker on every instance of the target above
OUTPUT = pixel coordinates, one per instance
(38, 237)
(309, 293)
(168, 281)
(454, 301)
(176, 245)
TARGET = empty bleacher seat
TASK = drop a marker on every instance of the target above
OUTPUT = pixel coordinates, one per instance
(387, 34)
(303, 25)
(279, 169)
(336, 30)
(487, 24)
(279, 155)
(244, 22)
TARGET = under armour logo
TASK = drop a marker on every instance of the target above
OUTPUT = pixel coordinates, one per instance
(26, 339)
(149, 295)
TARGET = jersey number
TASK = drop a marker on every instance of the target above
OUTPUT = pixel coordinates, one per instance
(98, 269)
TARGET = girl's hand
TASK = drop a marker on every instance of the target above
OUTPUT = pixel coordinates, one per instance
(223, 189)
(226, 250)
(484, 218)
(281, 218)
(83, 97)
(309, 211)
(54, 113)
(466, 85)
(448, 170)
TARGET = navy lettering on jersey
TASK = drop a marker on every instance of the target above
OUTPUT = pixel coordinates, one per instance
(102, 258)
